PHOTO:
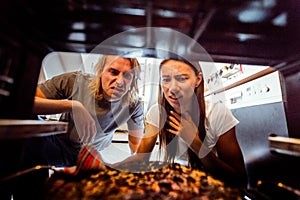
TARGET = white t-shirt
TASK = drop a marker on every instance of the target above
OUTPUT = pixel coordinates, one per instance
(219, 120)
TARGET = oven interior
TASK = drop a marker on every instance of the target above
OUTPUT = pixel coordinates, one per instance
(254, 32)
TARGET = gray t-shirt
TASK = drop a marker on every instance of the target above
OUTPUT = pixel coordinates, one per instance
(108, 116)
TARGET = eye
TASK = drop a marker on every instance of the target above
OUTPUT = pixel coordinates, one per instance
(128, 75)
(166, 79)
(181, 78)
(114, 72)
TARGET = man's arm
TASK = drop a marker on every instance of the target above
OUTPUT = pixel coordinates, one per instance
(44, 106)
(84, 122)
(39, 93)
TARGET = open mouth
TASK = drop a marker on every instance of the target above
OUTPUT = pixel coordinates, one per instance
(174, 99)
(117, 89)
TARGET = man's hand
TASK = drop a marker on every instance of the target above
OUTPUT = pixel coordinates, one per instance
(84, 122)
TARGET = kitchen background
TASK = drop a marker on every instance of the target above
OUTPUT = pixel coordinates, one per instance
(245, 86)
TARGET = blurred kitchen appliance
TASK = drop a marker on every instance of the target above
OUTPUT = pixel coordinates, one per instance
(259, 106)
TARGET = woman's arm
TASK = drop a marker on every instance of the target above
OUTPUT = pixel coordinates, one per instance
(149, 139)
(134, 139)
(145, 143)
(230, 153)
(144, 149)
(228, 165)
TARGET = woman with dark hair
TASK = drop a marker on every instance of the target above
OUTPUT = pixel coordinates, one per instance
(191, 129)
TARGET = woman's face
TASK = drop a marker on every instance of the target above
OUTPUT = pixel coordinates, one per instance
(116, 78)
(178, 81)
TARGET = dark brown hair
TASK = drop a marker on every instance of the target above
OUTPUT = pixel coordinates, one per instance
(168, 141)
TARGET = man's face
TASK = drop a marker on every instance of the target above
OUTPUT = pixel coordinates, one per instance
(116, 78)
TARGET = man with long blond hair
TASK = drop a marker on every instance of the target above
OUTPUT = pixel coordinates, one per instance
(94, 105)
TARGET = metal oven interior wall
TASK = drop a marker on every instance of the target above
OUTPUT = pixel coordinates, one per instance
(19, 70)
(256, 124)
(292, 85)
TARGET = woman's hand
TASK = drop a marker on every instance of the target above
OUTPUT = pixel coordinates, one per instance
(84, 122)
(183, 126)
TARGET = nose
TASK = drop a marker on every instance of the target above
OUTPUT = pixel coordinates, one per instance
(120, 80)
(173, 87)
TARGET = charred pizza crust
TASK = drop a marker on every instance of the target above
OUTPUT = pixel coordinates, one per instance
(158, 181)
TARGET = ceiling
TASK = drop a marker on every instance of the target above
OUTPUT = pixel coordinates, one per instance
(237, 31)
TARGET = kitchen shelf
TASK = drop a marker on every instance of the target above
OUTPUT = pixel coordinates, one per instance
(241, 81)
(18, 129)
